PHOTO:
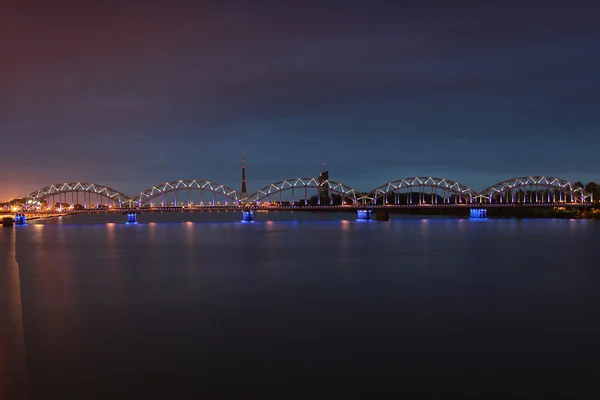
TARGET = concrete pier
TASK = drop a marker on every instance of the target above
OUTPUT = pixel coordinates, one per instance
(382, 215)
(478, 213)
(131, 217)
(247, 216)
(363, 215)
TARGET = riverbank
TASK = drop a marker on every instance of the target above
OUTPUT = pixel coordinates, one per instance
(35, 216)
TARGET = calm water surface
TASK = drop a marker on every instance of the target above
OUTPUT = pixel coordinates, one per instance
(327, 305)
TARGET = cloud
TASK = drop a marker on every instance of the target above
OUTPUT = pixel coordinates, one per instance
(131, 96)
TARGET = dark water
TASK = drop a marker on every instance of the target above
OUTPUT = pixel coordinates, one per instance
(326, 306)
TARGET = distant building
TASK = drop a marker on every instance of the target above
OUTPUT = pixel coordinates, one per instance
(323, 190)
(244, 191)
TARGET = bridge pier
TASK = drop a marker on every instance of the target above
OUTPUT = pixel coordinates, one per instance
(382, 215)
(20, 219)
(131, 217)
(247, 216)
(7, 221)
(478, 212)
(363, 215)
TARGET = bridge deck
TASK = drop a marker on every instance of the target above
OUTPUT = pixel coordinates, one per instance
(390, 207)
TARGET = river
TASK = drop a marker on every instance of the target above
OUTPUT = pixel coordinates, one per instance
(303, 305)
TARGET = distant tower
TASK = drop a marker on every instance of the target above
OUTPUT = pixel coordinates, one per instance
(323, 190)
(244, 191)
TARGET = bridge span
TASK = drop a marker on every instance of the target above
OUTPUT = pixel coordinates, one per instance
(304, 194)
(241, 208)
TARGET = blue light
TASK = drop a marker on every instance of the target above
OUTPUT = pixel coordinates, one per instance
(478, 212)
(20, 219)
(363, 215)
(247, 216)
(131, 217)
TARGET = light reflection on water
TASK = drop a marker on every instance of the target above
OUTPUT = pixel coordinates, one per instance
(14, 376)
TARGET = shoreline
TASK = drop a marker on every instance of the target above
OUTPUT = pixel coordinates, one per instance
(34, 217)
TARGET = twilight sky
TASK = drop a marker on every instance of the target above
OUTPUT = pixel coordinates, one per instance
(129, 95)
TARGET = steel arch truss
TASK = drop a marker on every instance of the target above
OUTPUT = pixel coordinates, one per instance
(500, 191)
(464, 194)
(39, 195)
(306, 183)
(184, 185)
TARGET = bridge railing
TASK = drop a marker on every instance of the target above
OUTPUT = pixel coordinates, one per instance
(420, 190)
(305, 191)
(188, 192)
(534, 189)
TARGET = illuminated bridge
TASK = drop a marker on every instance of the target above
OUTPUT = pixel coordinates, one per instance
(304, 194)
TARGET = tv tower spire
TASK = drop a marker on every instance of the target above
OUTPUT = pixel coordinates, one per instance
(244, 191)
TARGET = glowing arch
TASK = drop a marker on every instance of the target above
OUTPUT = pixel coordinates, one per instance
(162, 189)
(303, 183)
(34, 198)
(567, 192)
(463, 194)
